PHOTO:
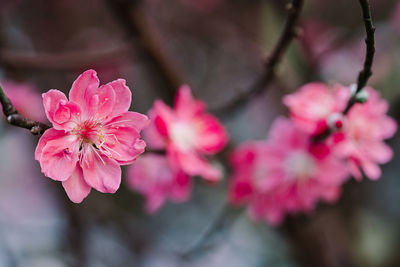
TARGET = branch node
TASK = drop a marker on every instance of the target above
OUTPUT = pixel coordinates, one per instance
(35, 130)
(10, 119)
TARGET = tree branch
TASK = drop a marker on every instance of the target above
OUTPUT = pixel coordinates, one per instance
(366, 72)
(135, 23)
(14, 118)
(289, 32)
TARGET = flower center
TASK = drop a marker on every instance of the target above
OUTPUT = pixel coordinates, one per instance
(90, 132)
(260, 176)
(183, 135)
(301, 165)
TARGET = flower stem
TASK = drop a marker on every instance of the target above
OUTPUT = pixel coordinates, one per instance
(14, 118)
(366, 72)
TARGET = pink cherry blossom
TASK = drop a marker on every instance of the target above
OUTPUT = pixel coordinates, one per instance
(188, 134)
(285, 174)
(153, 177)
(361, 140)
(312, 106)
(26, 99)
(93, 134)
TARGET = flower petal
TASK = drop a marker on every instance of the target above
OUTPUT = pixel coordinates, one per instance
(58, 156)
(48, 135)
(99, 171)
(76, 187)
(59, 110)
(83, 89)
(130, 119)
(123, 96)
(193, 164)
(123, 141)
(211, 135)
(181, 188)
(106, 101)
(185, 105)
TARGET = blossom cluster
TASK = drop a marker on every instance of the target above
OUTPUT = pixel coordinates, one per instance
(295, 168)
(305, 159)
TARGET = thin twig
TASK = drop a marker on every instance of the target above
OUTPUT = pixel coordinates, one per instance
(289, 32)
(14, 118)
(366, 72)
(135, 23)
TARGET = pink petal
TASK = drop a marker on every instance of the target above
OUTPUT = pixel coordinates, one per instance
(154, 202)
(59, 111)
(181, 189)
(99, 171)
(193, 164)
(123, 141)
(371, 169)
(354, 169)
(59, 156)
(379, 152)
(153, 138)
(211, 135)
(48, 135)
(240, 190)
(389, 127)
(185, 105)
(130, 119)
(163, 117)
(156, 183)
(76, 187)
(106, 101)
(83, 89)
(123, 145)
(123, 96)
(51, 99)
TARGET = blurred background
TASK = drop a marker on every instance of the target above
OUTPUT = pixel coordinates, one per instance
(218, 47)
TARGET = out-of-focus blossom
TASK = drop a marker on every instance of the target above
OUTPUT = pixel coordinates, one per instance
(25, 99)
(285, 174)
(358, 136)
(93, 134)
(366, 126)
(188, 134)
(152, 176)
(317, 40)
(315, 105)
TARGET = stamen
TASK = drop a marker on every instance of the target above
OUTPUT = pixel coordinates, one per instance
(115, 137)
(108, 149)
(95, 151)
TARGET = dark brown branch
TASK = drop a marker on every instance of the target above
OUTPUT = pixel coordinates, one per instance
(366, 72)
(63, 61)
(135, 22)
(289, 32)
(16, 119)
